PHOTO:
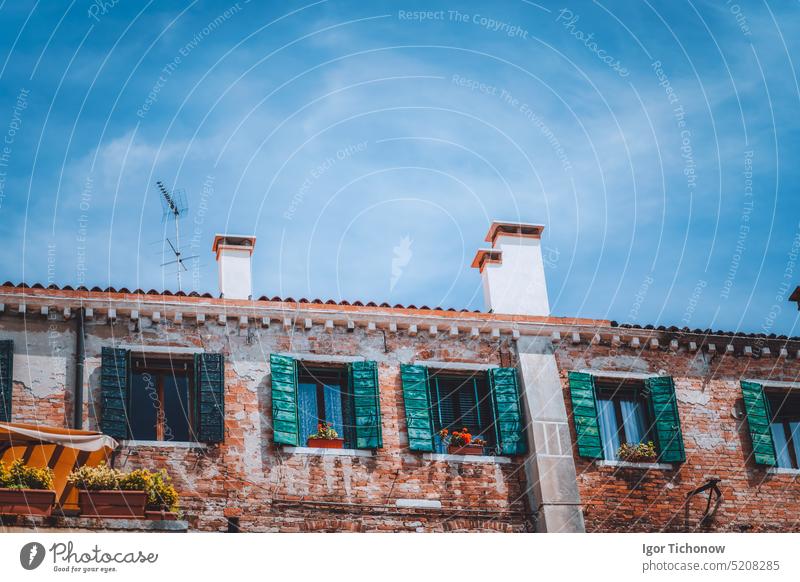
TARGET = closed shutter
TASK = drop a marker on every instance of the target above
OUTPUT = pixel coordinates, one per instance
(210, 397)
(509, 420)
(367, 405)
(6, 378)
(666, 422)
(418, 407)
(758, 420)
(284, 400)
(584, 415)
(114, 386)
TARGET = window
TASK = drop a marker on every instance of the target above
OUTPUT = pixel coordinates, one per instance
(622, 414)
(459, 401)
(161, 399)
(323, 396)
(784, 409)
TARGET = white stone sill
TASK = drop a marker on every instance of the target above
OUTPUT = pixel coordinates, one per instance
(782, 471)
(327, 452)
(627, 465)
(164, 444)
(466, 458)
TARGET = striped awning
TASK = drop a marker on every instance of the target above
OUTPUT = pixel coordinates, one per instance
(61, 449)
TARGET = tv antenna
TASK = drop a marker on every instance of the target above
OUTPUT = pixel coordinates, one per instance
(174, 205)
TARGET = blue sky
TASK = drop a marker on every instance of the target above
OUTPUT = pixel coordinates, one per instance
(657, 141)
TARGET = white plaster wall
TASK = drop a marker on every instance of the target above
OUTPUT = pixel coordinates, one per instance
(517, 285)
(234, 273)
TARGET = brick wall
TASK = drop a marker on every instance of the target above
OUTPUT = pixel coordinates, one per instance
(248, 477)
(717, 445)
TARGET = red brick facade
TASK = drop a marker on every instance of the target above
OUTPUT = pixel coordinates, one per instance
(251, 483)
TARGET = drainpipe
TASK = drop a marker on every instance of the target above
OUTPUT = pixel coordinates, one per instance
(80, 357)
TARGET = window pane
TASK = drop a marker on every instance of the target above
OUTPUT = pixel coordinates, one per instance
(795, 428)
(634, 421)
(176, 411)
(307, 410)
(781, 448)
(144, 406)
(333, 407)
(609, 431)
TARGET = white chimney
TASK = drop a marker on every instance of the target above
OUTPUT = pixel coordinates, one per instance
(513, 269)
(233, 257)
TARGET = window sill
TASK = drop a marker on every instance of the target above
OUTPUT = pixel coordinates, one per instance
(628, 465)
(466, 458)
(164, 444)
(327, 452)
(782, 471)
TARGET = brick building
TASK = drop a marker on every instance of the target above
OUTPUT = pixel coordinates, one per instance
(224, 392)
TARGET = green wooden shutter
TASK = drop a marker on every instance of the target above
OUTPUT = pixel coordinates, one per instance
(366, 404)
(115, 386)
(666, 422)
(508, 412)
(210, 397)
(584, 415)
(418, 407)
(6, 378)
(285, 424)
(758, 419)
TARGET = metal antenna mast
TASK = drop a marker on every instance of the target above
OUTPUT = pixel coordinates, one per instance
(174, 204)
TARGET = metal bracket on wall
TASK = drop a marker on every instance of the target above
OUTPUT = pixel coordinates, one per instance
(712, 486)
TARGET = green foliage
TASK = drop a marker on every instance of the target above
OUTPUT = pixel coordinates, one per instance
(161, 493)
(325, 431)
(639, 453)
(99, 478)
(20, 476)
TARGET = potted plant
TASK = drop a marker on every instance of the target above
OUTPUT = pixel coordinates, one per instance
(461, 442)
(162, 498)
(26, 490)
(107, 492)
(326, 437)
(638, 453)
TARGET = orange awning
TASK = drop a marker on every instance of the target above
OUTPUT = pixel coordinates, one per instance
(61, 449)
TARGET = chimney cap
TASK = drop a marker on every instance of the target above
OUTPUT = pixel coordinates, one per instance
(234, 240)
(484, 256)
(796, 297)
(512, 228)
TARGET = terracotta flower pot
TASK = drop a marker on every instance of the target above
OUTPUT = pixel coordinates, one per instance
(465, 450)
(160, 515)
(326, 443)
(122, 504)
(37, 502)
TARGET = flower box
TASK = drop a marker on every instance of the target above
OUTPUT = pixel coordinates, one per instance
(325, 443)
(160, 515)
(465, 450)
(38, 502)
(115, 503)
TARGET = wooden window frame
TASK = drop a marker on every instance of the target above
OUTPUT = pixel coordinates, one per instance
(783, 418)
(317, 373)
(488, 427)
(159, 366)
(615, 391)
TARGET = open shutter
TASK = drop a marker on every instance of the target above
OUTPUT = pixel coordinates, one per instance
(6, 378)
(418, 407)
(758, 419)
(584, 415)
(285, 423)
(367, 405)
(210, 397)
(508, 412)
(114, 386)
(667, 424)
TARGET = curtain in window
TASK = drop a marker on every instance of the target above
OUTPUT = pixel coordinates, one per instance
(781, 445)
(609, 431)
(633, 421)
(795, 428)
(307, 411)
(333, 408)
